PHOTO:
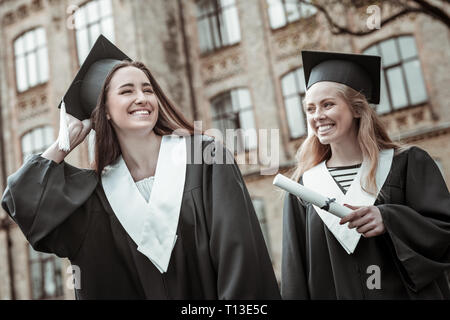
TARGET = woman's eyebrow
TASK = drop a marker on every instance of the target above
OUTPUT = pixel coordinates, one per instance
(321, 101)
(327, 98)
(307, 103)
(126, 85)
(144, 84)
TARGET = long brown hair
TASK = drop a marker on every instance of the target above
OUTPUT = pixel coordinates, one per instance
(372, 138)
(107, 148)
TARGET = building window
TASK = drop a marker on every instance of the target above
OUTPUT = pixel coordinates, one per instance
(233, 113)
(402, 83)
(293, 88)
(283, 12)
(30, 52)
(46, 275)
(260, 211)
(218, 24)
(36, 141)
(91, 20)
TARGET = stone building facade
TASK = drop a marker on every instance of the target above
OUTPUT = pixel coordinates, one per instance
(228, 63)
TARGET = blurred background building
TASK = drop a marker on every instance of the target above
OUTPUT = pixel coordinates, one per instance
(233, 64)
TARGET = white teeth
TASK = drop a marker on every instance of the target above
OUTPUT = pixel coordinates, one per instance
(139, 112)
(324, 127)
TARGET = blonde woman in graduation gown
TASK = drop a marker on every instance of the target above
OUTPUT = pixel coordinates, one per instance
(150, 222)
(396, 242)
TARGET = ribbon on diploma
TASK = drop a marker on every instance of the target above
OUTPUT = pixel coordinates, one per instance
(328, 204)
(326, 207)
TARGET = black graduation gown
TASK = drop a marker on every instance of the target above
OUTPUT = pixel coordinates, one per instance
(220, 252)
(412, 255)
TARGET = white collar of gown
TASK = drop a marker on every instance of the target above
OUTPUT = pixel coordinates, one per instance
(320, 180)
(152, 225)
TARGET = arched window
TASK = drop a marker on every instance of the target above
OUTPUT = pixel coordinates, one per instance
(402, 83)
(283, 12)
(31, 59)
(293, 88)
(46, 275)
(91, 20)
(36, 141)
(218, 24)
(233, 110)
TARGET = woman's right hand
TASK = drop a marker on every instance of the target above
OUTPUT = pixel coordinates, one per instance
(78, 130)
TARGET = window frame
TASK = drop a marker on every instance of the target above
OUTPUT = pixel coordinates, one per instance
(287, 22)
(42, 259)
(88, 25)
(400, 64)
(301, 97)
(217, 16)
(25, 54)
(236, 118)
(41, 129)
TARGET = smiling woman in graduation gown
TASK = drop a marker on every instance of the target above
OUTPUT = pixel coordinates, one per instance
(219, 252)
(402, 254)
(188, 232)
(412, 256)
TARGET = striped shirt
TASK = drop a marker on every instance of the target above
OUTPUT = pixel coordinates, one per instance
(344, 176)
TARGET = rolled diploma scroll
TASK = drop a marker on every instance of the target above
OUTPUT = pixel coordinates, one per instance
(310, 196)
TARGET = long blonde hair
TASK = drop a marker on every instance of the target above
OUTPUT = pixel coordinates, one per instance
(372, 137)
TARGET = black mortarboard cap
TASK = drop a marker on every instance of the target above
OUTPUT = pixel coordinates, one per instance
(81, 97)
(358, 71)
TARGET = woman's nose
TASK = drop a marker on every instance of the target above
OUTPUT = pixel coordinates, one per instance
(318, 114)
(140, 97)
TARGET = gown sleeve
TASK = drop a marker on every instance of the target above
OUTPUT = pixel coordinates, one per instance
(46, 200)
(294, 283)
(237, 247)
(419, 228)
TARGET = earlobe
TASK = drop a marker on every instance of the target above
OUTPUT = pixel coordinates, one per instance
(108, 117)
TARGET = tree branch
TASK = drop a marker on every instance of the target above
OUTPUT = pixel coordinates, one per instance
(337, 29)
(434, 11)
(424, 8)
